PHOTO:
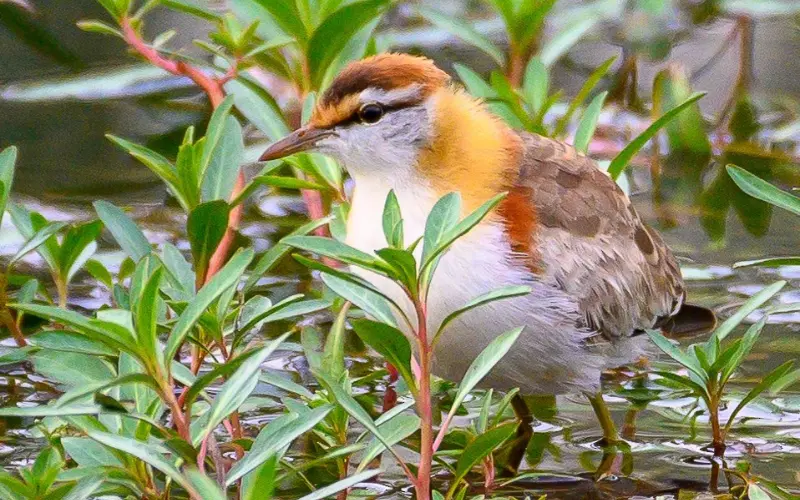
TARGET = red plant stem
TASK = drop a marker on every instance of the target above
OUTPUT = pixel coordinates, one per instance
(11, 323)
(390, 396)
(424, 405)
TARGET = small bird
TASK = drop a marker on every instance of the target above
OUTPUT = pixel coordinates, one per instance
(598, 275)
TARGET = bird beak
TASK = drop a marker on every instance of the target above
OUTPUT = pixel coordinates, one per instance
(300, 140)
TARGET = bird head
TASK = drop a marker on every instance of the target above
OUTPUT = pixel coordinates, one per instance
(397, 117)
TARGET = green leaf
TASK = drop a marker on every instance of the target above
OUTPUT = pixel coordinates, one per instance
(624, 157)
(676, 354)
(8, 158)
(71, 368)
(588, 123)
(536, 84)
(481, 447)
(464, 31)
(474, 83)
(79, 243)
(394, 430)
(460, 229)
(260, 484)
(344, 484)
(487, 298)
(227, 277)
(146, 452)
(274, 437)
(565, 39)
(366, 299)
(204, 486)
(582, 94)
(89, 453)
(755, 492)
(217, 126)
(129, 237)
(336, 31)
(404, 264)
(70, 342)
(392, 221)
(745, 346)
(769, 262)
(95, 26)
(223, 167)
(284, 14)
(442, 219)
(146, 310)
(35, 241)
(258, 106)
(351, 406)
(99, 272)
(193, 8)
(765, 384)
(237, 388)
(334, 249)
(206, 227)
(278, 251)
(763, 190)
(390, 343)
(483, 364)
(747, 308)
(51, 410)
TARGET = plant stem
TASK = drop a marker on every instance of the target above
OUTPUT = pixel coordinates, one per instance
(717, 433)
(424, 405)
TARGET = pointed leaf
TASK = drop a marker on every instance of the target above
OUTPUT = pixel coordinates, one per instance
(481, 447)
(763, 190)
(624, 157)
(588, 123)
(390, 343)
(227, 277)
(464, 31)
(274, 437)
(129, 237)
(206, 227)
(342, 485)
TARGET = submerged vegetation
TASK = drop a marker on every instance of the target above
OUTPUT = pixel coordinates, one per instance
(160, 390)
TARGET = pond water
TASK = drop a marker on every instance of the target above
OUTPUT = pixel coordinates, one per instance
(65, 164)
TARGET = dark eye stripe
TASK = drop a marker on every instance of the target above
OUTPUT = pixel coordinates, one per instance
(387, 108)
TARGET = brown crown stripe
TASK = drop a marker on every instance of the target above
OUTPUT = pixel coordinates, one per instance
(386, 72)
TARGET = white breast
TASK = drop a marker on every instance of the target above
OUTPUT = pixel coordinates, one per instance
(549, 356)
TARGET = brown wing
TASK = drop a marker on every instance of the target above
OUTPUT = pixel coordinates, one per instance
(592, 243)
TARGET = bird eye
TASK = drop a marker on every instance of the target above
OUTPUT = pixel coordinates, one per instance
(370, 113)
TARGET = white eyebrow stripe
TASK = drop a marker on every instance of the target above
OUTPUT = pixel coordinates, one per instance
(390, 97)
